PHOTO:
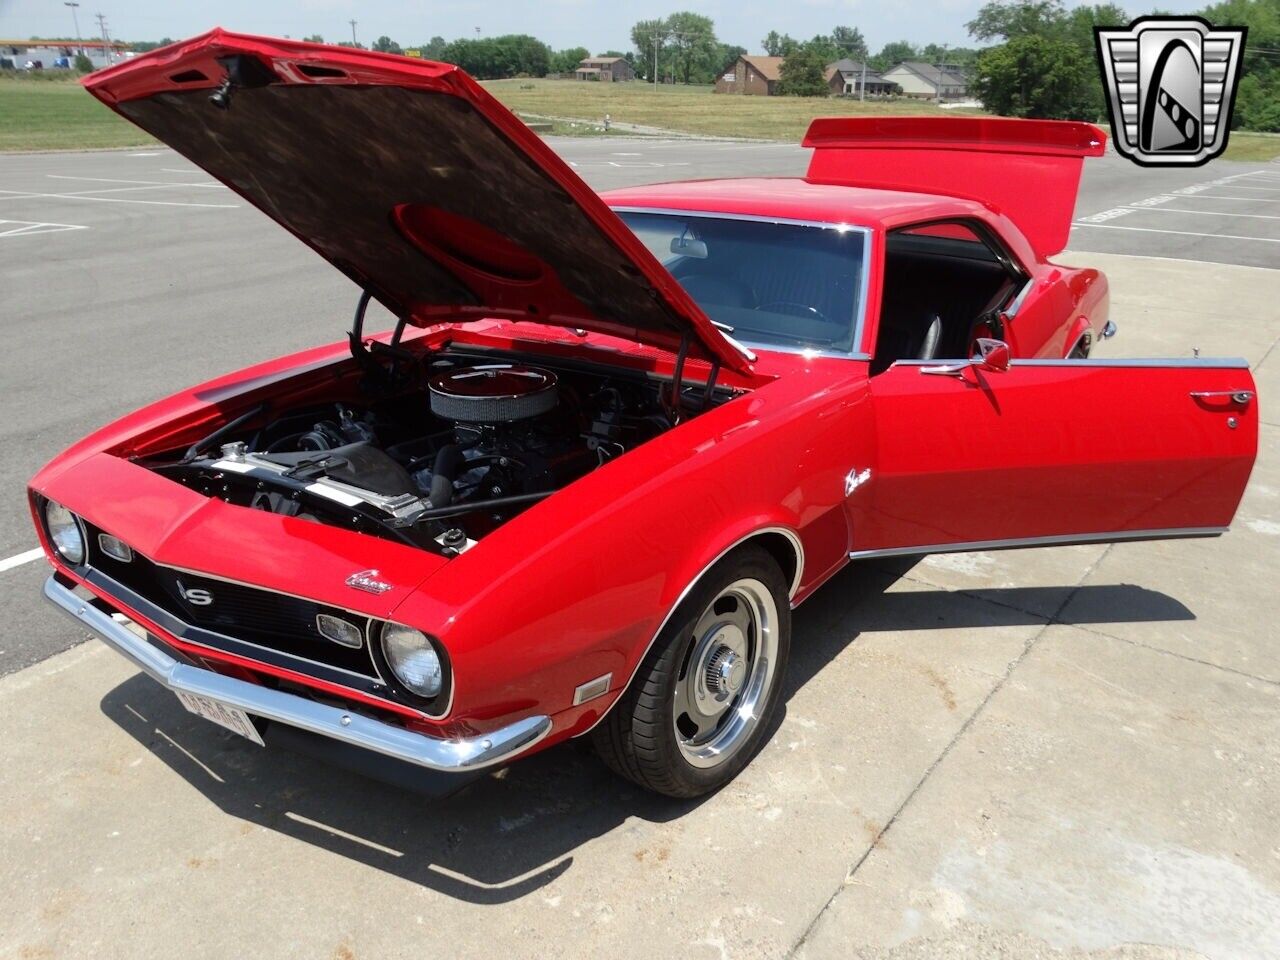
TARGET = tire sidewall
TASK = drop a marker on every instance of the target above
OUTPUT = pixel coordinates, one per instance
(747, 562)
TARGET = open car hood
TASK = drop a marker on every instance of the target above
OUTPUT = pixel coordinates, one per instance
(412, 180)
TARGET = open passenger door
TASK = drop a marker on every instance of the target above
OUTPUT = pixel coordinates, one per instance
(978, 455)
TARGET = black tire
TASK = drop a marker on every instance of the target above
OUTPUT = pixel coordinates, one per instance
(639, 738)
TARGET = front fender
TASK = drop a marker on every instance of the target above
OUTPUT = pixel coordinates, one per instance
(578, 586)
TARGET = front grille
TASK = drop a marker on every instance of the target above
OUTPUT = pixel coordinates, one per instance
(263, 618)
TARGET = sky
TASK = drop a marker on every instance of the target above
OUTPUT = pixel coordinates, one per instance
(593, 24)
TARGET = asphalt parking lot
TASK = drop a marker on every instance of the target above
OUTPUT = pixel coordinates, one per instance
(1066, 752)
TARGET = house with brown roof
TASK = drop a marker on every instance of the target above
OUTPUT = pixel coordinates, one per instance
(752, 76)
(606, 69)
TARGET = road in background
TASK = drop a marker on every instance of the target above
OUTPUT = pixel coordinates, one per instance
(131, 274)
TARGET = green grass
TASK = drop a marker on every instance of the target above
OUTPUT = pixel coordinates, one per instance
(690, 109)
(49, 114)
(1252, 146)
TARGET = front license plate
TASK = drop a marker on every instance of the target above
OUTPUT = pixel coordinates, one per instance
(233, 718)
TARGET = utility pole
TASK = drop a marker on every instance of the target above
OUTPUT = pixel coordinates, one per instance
(353, 32)
(106, 38)
(862, 87)
(76, 20)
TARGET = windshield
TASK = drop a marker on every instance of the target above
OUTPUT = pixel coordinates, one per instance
(776, 284)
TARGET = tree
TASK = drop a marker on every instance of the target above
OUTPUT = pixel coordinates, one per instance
(849, 43)
(83, 64)
(726, 56)
(566, 61)
(802, 73)
(649, 36)
(824, 47)
(1006, 19)
(385, 44)
(1258, 96)
(435, 48)
(891, 54)
(1007, 73)
(314, 38)
(1039, 77)
(779, 45)
(693, 42)
(491, 58)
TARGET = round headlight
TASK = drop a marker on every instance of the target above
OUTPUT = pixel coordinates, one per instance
(64, 531)
(412, 659)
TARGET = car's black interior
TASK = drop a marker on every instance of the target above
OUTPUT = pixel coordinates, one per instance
(938, 286)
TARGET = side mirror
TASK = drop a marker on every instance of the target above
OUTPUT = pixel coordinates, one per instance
(993, 355)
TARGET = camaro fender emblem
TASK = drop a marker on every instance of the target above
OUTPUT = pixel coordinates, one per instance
(195, 595)
(367, 580)
(855, 479)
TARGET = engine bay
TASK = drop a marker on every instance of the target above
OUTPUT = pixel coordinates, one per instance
(460, 446)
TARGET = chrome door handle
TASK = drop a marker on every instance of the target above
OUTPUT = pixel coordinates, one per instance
(1237, 396)
(947, 370)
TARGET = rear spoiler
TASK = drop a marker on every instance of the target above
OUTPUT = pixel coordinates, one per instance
(1028, 170)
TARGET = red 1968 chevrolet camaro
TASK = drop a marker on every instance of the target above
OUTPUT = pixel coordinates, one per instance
(611, 442)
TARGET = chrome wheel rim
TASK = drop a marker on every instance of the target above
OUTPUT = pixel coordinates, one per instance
(726, 673)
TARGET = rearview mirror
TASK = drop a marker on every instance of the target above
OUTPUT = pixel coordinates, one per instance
(689, 247)
(993, 355)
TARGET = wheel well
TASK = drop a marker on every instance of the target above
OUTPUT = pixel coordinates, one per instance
(783, 549)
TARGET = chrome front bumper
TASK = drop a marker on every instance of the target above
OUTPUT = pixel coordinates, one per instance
(445, 756)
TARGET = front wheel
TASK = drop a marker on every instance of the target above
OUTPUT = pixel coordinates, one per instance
(703, 700)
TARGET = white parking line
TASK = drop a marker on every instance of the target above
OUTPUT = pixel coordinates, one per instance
(1180, 233)
(14, 195)
(20, 195)
(20, 559)
(149, 183)
(1244, 186)
(1187, 194)
(1202, 213)
(26, 228)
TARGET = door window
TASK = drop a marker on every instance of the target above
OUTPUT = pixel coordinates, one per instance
(945, 284)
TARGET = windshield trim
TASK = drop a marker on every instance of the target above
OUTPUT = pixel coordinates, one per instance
(859, 321)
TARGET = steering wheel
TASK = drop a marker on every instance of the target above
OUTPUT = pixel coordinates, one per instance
(792, 309)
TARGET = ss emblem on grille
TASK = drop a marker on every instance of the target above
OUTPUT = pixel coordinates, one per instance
(195, 596)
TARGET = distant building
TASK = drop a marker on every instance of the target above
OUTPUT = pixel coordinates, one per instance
(606, 69)
(918, 79)
(54, 53)
(845, 78)
(752, 76)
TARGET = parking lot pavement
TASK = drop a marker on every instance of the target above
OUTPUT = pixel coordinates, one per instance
(1049, 753)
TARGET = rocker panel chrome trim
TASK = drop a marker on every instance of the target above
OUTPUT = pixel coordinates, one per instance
(1057, 540)
(1198, 363)
(447, 756)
